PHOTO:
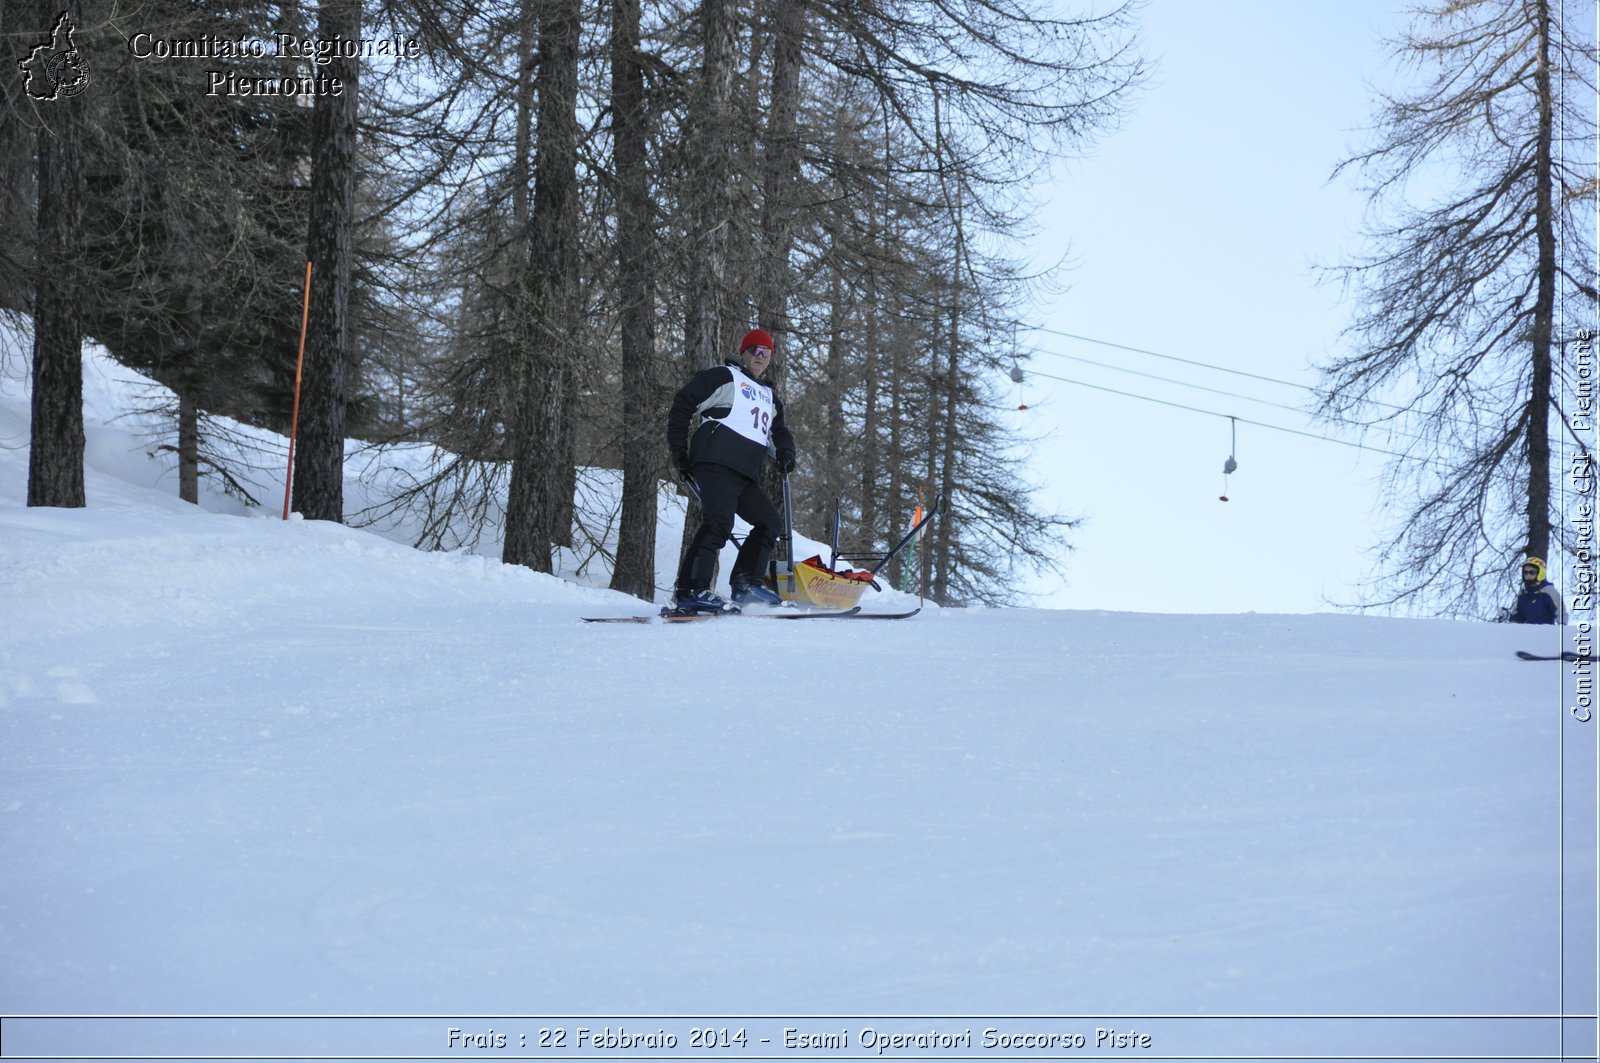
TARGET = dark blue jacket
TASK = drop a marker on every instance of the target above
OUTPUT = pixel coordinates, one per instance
(1539, 603)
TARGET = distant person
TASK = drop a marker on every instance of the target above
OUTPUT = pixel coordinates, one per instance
(1539, 602)
(741, 422)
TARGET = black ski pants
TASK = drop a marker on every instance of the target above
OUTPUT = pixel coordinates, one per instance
(724, 494)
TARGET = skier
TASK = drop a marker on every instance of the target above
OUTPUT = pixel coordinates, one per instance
(741, 422)
(1539, 602)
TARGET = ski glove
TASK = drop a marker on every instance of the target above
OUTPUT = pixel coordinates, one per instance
(680, 461)
(786, 462)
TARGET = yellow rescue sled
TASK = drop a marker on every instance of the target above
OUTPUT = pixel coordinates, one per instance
(816, 584)
(825, 586)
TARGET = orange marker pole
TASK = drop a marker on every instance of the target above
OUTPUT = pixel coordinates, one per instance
(294, 419)
(916, 552)
(910, 567)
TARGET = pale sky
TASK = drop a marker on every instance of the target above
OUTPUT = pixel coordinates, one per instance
(1195, 230)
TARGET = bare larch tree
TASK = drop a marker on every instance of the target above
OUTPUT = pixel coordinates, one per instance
(1456, 348)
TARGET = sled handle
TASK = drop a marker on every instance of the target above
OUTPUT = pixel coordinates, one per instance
(788, 534)
(938, 502)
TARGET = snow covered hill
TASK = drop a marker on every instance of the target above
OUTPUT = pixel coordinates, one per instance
(251, 767)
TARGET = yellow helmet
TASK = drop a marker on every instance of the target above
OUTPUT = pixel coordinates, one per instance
(1538, 566)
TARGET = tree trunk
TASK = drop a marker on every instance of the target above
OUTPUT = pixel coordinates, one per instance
(635, 569)
(542, 462)
(780, 172)
(830, 476)
(55, 453)
(942, 446)
(781, 169)
(521, 177)
(319, 453)
(870, 446)
(944, 533)
(564, 485)
(942, 457)
(555, 250)
(18, 167)
(1538, 411)
(521, 543)
(188, 450)
(899, 484)
(710, 186)
(709, 124)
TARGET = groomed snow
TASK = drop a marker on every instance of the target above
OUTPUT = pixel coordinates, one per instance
(255, 767)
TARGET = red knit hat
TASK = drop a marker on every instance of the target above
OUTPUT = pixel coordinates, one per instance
(756, 337)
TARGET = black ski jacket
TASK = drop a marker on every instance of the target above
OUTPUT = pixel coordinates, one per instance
(708, 394)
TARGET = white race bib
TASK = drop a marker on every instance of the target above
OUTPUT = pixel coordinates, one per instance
(751, 413)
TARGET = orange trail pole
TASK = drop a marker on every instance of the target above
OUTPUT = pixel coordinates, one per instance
(922, 554)
(294, 420)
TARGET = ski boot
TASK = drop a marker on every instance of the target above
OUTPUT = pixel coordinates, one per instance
(756, 594)
(699, 603)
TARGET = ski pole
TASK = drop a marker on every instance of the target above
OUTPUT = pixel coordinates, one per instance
(833, 545)
(788, 533)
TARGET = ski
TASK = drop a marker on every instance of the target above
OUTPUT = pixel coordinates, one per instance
(839, 614)
(692, 617)
(1569, 656)
(815, 614)
(647, 619)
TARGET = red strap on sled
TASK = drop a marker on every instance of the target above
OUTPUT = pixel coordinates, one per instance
(816, 562)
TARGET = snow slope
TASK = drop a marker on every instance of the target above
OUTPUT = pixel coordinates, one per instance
(251, 767)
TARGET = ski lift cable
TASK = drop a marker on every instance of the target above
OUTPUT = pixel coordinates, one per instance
(1245, 420)
(1173, 358)
(1224, 369)
(1213, 391)
(1559, 368)
(1164, 379)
